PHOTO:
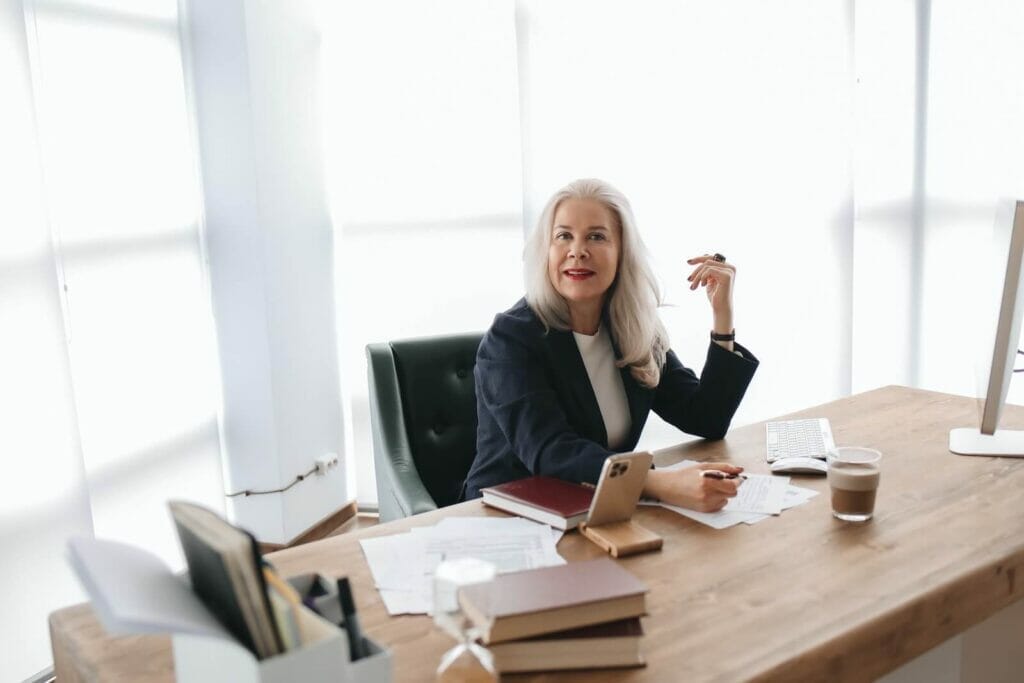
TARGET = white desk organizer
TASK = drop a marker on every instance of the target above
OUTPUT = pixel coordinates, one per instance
(133, 592)
(199, 659)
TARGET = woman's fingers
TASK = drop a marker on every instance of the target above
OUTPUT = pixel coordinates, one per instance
(703, 258)
(700, 260)
(701, 275)
(715, 264)
(724, 487)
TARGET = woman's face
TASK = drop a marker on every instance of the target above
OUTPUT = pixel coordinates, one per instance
(583, 256)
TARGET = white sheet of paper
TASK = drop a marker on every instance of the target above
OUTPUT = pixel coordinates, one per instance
(403, 564)
(405, 602)
(795, 495)
(133, 591)
(760, 493)
(396, 561)
(716, 520)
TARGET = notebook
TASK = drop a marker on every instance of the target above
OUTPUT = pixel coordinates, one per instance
(550, 599)
(551, 501)
(225, 570)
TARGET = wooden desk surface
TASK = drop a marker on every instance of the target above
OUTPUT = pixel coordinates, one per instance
(798, 597)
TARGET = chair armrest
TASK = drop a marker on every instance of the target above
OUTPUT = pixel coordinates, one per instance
(400, 491)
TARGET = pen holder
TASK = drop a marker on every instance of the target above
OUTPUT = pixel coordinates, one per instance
(202, 659)
(324, 658)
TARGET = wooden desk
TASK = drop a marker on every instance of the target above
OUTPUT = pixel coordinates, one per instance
(797, 597)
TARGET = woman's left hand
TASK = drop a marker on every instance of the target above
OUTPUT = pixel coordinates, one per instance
(717, 277)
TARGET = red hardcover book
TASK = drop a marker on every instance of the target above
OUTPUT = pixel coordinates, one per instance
(558, 503)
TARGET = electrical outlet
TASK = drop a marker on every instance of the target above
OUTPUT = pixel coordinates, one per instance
(326, 462)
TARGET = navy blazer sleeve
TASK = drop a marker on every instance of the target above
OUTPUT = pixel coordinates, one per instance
(535, 416)
(515, 386)
(705, 406)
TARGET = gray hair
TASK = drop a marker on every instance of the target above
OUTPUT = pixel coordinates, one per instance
(632, 306)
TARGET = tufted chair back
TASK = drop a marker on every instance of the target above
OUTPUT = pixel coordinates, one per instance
(423, 418)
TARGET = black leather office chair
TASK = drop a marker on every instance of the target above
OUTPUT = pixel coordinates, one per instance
(423, 415)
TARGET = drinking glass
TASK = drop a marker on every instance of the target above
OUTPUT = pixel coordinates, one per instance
(853, 477)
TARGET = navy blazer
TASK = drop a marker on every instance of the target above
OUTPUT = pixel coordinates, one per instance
(538, 414)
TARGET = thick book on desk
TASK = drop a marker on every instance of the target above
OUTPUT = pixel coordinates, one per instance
(614, 644)
(539, 601)
(558, 503)
(226, 573)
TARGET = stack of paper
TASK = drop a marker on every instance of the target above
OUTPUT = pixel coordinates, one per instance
(134, 591)
(403, 564)
(760, 497)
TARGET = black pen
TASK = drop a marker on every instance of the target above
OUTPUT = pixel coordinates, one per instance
(348, 610)
(715, 474)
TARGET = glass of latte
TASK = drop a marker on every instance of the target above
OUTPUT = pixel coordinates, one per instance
(853, 475)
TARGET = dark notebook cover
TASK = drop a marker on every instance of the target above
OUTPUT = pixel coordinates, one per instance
(558, 497)
(212, 583)
(212, 580)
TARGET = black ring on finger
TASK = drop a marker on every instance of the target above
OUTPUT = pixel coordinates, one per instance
(718, 257)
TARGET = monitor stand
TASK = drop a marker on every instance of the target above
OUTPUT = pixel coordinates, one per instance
(1005, 443)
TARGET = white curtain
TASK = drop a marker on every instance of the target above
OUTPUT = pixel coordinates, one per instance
(974, 162)
(422, 152)
(939, 147)
(729, 127)
(43, 498)
(109, 386)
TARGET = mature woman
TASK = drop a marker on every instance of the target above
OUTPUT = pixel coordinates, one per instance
(569, 374)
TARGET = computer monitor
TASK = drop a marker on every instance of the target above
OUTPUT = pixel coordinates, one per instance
(989, 439)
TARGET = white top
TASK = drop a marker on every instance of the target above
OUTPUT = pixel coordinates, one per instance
(599, 358)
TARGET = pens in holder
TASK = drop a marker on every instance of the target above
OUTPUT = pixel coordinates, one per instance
(348, 611)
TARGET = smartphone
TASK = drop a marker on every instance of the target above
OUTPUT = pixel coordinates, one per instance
(619, 487)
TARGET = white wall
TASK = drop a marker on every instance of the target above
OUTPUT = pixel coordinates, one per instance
(254, 71)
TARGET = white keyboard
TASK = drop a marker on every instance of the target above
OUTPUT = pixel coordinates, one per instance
(799, 439)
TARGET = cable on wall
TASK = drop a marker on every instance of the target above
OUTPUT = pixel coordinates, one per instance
(250, 492)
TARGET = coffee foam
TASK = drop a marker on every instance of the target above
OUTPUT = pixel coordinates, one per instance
(851, 477)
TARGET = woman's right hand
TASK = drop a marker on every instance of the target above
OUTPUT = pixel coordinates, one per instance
(688, 488)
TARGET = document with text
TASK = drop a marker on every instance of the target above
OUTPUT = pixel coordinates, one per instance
(403, 564)
(760, 493)
(761, 496)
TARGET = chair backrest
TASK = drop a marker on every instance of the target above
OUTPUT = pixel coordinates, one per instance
(436, 406)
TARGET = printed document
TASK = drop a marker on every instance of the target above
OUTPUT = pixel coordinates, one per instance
(760, 493)
(770, 496)
(403, 564)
